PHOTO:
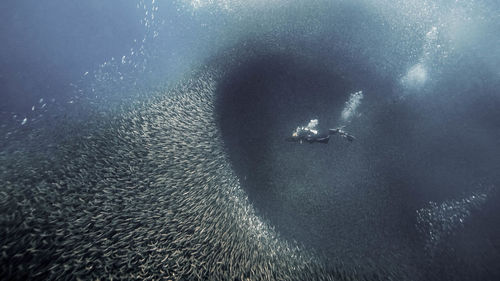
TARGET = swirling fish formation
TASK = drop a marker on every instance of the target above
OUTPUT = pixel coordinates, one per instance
(148, 194)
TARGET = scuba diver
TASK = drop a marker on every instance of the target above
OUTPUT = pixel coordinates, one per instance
(311, 134)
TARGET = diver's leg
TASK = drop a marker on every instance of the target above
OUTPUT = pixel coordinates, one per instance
(323, 139)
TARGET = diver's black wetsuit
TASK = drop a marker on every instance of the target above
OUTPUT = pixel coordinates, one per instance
(306, 136)
(311, 134)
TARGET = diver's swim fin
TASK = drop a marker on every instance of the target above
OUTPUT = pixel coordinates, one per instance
(323, 140)
(349, 137)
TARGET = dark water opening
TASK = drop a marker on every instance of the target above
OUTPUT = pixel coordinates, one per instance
(356, 202)
(328, 197)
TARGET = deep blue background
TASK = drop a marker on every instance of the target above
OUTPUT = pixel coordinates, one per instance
(431, 140)
(46, 45)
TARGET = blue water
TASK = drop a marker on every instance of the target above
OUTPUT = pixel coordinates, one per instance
(415, 195)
